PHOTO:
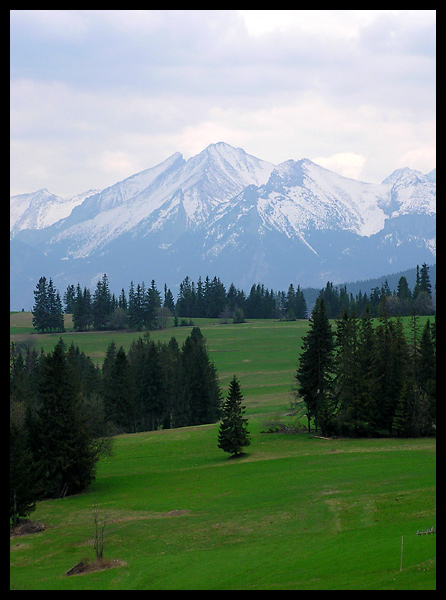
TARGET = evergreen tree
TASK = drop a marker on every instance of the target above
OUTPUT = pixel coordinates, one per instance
(23, 480)
(82, 309)
(185, 306)
(122, 300)
(300, 304)
(55, 310)
(168, 302)
(233, 434)
(200, 389)
(315, 370)
(40, 310)
(424, 280)
(351, 410)
(102, 304)
(69, 299)
(134, 308)
(427, 372)
(47, 310)
(152, 387)
(412, 418)
(118, 390)
(170, 355)
(65, 450)
(366, 372)
(152, 302)
(390, 369)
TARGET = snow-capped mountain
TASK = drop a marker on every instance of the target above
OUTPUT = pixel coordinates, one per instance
(227, 213)
(41, 209)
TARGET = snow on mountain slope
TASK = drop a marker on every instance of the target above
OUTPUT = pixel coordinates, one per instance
(302, 194)
(205, 180)
(41, 209)
(290, 198)
(410, 192)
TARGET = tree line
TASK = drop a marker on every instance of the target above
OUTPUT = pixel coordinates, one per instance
(366, 380)
(144, 308)
(64, 409)
(402, 301)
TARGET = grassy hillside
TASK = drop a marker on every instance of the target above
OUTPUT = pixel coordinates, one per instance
(296, 512)
(263, 354)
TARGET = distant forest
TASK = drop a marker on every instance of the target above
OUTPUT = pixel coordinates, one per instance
(145, 308)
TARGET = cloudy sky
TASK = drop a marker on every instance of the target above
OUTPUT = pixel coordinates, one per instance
(98, 95)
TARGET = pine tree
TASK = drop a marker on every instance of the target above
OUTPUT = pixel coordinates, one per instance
(233, 434)
(152, 302)
(23, 480)
(69, 299)
(117, 389)
(170, 355)
(168, 302)
(425, 284)
(427, 373)
(55, 309)
(366, 351)
(47, 310)
(65, 448)
(41, 320)
(102, 304)
(348, 376)
(315, 370)
(153, 387)
(200, 389)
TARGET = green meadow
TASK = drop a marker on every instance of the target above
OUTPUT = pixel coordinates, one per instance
(295, 512)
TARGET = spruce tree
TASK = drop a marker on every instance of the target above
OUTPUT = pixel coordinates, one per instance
(233, 434)
(424, 283)
(55, 310)
(366, 383)
(40, 311)
(65, 449)
(427, 373)
(69, 299)
(23, 480)
(315, 370)
(102, 304)
(201, 396)
(348, 376)
(117, 389)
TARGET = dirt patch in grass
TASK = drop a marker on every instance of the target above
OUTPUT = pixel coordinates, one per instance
(85, 566)
(124, 516)
(176, 513)
(26, 527)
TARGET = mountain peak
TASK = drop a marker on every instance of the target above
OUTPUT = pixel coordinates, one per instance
(225, 211)
(405, 174)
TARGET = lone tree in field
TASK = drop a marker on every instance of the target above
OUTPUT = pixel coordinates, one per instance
(233, 434)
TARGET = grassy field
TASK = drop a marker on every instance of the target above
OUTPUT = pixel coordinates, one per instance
(263, 354)
(296, 512)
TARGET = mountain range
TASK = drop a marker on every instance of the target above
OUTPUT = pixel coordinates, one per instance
(224, 212)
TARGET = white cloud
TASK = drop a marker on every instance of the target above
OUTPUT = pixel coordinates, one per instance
(347, 164)
(134, 87)
(422, 158)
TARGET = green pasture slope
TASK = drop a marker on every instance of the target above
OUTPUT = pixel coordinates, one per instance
(296, 512)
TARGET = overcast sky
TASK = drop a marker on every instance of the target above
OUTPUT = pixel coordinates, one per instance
(98, 95)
